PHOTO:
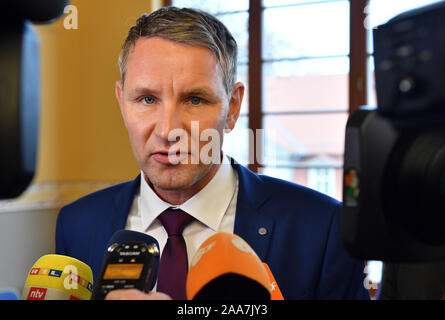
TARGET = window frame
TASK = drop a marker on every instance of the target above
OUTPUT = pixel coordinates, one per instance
(357, 68)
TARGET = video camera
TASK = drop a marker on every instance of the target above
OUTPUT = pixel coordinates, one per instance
(20, 90)
(394, 163)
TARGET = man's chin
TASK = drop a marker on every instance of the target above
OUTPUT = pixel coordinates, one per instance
(176, 178)
(171, 186)
(173, 178)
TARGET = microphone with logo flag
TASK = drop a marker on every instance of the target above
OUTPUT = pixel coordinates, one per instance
(275, 292)
(225, 267)
(58, 277)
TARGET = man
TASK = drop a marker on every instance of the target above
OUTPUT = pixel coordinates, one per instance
(177, 89)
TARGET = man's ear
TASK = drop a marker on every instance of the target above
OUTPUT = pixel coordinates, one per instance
(119, 90)
(235, 105)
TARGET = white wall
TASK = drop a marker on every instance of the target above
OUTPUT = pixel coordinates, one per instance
(25, 236)
(28, 226)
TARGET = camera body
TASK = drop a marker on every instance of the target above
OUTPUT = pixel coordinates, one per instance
(19, 107)
(20, 90)
(394, 165)
(409, 53)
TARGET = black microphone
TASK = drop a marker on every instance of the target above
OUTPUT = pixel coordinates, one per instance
(131, 262)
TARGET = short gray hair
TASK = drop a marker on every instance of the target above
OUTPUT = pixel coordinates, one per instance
(188, 26)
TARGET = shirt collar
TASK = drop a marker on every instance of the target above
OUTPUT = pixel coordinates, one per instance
(207, 206)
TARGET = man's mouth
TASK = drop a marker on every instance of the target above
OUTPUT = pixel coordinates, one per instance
(172, 158)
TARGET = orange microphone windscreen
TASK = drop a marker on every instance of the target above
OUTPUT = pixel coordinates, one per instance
(275, 292)
(226, 267)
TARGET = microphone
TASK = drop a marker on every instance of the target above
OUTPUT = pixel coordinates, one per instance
(225, 267)
(57, 277)
(131, 262)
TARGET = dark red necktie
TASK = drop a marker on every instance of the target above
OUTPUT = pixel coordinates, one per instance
(173, 267)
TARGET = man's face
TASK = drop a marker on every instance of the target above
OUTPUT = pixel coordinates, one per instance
(170, 86)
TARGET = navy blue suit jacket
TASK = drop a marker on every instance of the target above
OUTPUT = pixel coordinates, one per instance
(301, 246)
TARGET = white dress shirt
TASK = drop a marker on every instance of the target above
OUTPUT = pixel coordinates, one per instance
(213, 208)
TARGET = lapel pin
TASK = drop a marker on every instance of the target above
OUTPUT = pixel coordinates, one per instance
(262, 231)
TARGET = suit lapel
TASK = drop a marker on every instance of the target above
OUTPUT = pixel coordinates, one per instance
(251, 221)
(113, 217)
(123, 202)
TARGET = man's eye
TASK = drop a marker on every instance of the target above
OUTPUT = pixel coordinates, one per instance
(148, 100)
(195, 100)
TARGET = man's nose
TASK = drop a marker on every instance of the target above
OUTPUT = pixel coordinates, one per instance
(167, 121)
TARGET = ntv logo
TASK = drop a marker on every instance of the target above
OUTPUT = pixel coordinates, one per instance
(36, 293)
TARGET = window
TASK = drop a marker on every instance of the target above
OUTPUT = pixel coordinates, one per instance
(235, 15)
(298, 56)
(322, 179)
(305, 61)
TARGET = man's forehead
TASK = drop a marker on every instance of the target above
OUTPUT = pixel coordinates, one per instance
(159, 44)
(155, 59)
(154, 53)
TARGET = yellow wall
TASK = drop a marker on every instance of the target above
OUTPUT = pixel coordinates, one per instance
(83, 142)
(82, 136)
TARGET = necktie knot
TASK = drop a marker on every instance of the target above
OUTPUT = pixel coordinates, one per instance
(174, 221)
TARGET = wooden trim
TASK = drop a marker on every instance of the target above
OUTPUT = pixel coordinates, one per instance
(166, 3)
(358, 55)
(255, 80)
